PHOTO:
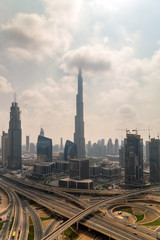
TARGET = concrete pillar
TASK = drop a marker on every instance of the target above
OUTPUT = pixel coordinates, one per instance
(77, 223)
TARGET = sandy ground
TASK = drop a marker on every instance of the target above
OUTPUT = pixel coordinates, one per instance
(85, 237)
(128, 217)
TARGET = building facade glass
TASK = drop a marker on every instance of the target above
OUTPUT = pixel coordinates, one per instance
(44, 149)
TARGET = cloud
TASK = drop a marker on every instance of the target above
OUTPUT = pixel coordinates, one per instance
(89, 58)
(5, 86)
(63, 12)
(35, 99)
(51, 104)
(127, 112)
(34, 36)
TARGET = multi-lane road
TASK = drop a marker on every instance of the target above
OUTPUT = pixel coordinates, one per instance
(76, 214)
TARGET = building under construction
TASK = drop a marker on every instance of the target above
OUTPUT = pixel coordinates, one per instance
(154, 160)
(133, 159)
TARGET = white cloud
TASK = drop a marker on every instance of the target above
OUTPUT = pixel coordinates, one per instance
(63, 12)
(34, 36)
(105, 38)
(89, 58)
(5, 86)
(50, 104)
(127, 112)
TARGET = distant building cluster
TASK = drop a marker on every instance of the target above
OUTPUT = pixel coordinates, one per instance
(100, 149)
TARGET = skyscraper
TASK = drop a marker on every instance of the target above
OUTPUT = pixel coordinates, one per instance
(14, 138)
(61, 145)
(110, 147)
(133, 159)
(70, 150)
(154, 159)
(79, 123)
(4, 148)
(44, 148)
(116, 147)
(27, 143)
(147, 151)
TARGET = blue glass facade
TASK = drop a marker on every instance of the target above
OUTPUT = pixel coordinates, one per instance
(70, 150)
(44, 149)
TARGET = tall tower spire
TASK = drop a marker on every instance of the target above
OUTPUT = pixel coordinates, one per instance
(14, 98)
(79, 123)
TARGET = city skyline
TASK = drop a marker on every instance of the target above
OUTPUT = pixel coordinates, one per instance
(116, 48)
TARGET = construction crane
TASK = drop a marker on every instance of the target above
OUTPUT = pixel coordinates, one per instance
(126, 130)
(135, 130)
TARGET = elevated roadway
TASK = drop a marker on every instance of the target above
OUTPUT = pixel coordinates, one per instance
(92, 209)
(81, 215)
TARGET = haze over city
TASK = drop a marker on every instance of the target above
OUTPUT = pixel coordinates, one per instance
(116, 43)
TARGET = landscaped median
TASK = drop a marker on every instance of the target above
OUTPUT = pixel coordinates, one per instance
(31, 230)
(155, 223)
(128, 209)
(72, 235)
(143, 217)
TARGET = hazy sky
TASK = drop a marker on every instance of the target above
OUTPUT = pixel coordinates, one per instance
(117, 44)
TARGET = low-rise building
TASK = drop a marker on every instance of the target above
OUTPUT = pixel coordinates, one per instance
(43, 169)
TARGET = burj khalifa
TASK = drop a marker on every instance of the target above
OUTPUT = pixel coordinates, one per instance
(79, 123)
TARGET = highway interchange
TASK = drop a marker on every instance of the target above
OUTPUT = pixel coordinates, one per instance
(66, 206)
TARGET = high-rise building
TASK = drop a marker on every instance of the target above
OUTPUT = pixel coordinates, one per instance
(133, 159)
(61, 145)
(116, 147)
(79, 123)
(27, 143)
(44, 148)
(79, 169)
(147, 151)
(154, 160)
(89, 149)
(32, 148)
(4, 148)
(110, 147)
(122, 156)
(70, 150)
(14, 138)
